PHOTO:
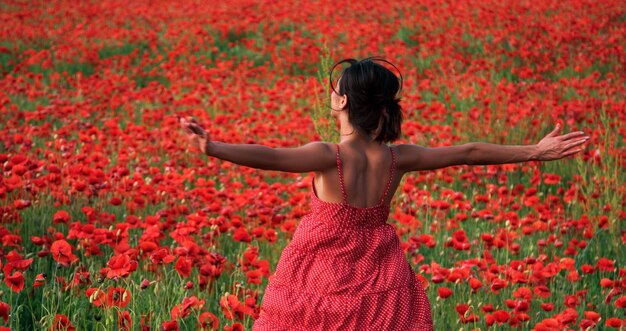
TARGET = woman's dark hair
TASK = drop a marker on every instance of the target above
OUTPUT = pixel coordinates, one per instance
(373, 101)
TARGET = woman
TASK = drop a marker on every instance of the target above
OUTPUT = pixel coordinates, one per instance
(344, 268)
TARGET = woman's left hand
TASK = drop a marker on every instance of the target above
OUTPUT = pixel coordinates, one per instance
(555, 146)
(197, 136)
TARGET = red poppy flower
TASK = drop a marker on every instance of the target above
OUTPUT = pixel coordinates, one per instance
(61, 216)
(177, 312)
(208, 321)
(487, 237)
(40, 280)
(621, 302)
(162, 256)
(241, 234)
(62, 323)
(80, 185)
(470, 318)
(571, 301)
(547, 306)
(5, 309)
(15, 282)
(254, 276)
(120, 266)
(232, 307)
(148, 246)
(118, 297)
(614, 322)
(96, 296)
(183, 266)
(422, 280)
(523, 293)
(271, 236)
(462, 309)
(437, 279)
(501, 316)
(144, 284)
(587, 269)
(605, 282)
(170, 326)
(569, 315)
(62, 253)
(551, 179)
(14, 259)
(605, 264)
(184, 309)
(444, 292)
(498, 284)
(124, 322)
(612, 293)
(21, 204)
(475, 284)
(144, 323)
(542, 291)
(488, 308)
(592, 315)
(115, 201)
(235, 327)
(489, 319)
(428, 240)
(549, 324)
(289, 226)
(19, 169)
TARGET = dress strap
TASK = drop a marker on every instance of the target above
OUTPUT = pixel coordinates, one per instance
(343, 188)
(391, 171)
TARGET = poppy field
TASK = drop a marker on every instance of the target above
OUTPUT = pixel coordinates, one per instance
(110, 221)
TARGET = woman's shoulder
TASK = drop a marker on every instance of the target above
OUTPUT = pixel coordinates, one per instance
(321, 149)
(322, 146)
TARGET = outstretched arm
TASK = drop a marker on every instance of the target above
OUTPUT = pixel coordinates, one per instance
(316, 156)
(551, 147)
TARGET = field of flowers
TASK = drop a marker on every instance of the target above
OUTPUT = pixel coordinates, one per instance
(109, 222)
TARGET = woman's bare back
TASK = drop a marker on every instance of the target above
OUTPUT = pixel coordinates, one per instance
(365, 170)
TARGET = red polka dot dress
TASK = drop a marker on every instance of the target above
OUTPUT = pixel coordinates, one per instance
(344, 269)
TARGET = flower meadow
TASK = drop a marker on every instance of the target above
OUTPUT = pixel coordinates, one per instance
(109, 221)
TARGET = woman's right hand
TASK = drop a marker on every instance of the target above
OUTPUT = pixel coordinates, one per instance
(197, 136)
(554, 147)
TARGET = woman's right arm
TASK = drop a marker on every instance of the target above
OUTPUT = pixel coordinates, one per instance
(551, 147)
(315, 156)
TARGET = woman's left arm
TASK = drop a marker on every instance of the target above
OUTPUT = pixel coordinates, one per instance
(315, 156)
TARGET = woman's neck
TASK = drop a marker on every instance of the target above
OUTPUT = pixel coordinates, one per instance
(349, 133)
(357, 137)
